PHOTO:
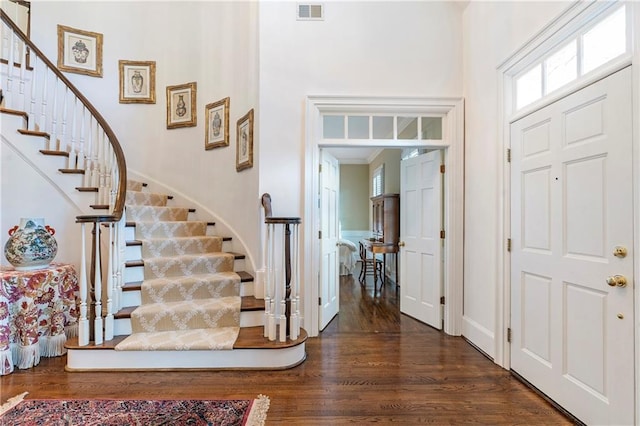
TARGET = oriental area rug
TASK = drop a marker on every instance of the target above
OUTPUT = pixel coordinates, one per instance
(93, 412)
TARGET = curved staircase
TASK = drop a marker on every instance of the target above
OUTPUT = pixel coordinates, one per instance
(183, 299)
(188, 303)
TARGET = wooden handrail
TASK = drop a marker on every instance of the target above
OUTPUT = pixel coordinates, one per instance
(118, 207)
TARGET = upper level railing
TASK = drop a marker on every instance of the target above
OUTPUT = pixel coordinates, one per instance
(73, 127)
(31, 83)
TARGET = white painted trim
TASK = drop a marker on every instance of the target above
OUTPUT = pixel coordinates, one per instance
(548, 36)
(635, 46)
(112, 360)
(453, 144)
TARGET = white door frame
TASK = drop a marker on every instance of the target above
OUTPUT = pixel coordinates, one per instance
(452, 109)
(573, 17)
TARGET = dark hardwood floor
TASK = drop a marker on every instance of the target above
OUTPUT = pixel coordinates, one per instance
(370, 365)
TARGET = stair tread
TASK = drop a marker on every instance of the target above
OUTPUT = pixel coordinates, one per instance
(55, 153)
(133, 224)
(34, 133)
(247, 304)
(248, 338)
(139, 242)
(15, 112)
(140, 262)
(137, 285)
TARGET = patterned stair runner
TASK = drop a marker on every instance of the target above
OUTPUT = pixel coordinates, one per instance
(190, 293)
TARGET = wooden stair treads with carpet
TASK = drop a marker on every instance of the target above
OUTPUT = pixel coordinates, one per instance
(190, 295)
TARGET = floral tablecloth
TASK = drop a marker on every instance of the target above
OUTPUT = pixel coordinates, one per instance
(38, 311)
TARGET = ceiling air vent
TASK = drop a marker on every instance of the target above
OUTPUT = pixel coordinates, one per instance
(310, 12)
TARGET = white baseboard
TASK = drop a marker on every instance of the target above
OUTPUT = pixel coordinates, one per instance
(480, 336)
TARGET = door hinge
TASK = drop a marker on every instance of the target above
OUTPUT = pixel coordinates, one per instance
(508, 244)
(442, 300)
(441, 168)
(509, 334)
(319, 168)
(508, 155)
(319, 235)
(442, 234)
(319, 301)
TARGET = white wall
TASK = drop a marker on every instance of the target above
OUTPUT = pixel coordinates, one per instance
(361, 48)
(492, 32)
(211, 43)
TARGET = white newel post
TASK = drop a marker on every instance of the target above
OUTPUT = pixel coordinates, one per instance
(108, 321)
(97, 290)
(83, 323)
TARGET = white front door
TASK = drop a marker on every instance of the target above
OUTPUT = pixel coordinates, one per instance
(329, 274)
(571, 207)
(420, 225)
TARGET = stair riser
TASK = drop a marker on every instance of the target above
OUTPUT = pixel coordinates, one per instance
(97, 359)
(135, 252)
(122, 326)
(136, 273)
(133, 298)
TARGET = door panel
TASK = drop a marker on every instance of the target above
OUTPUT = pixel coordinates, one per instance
(420, 225)
(571, 205)
(329, 273)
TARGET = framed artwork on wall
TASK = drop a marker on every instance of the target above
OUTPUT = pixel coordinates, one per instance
(137, 82)
(244, 142)
(79, 51)
(217, 130)
(181, 106)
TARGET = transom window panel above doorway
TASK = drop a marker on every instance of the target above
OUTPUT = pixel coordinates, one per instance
(382, 127)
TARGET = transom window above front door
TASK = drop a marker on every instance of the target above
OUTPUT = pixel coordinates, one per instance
(604, 40)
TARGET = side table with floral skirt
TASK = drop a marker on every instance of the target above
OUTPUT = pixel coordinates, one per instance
(38, 312)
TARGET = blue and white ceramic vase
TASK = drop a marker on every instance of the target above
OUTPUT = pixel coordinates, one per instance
(31, 245)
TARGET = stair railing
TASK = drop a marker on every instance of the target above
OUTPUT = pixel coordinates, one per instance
(281, 254)
(73, 127)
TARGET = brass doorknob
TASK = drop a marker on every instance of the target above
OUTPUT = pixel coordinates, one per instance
(617, 281)
(401, 244)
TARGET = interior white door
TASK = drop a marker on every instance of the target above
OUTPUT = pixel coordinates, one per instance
(329, 273)
(571, 206)
(420, 226)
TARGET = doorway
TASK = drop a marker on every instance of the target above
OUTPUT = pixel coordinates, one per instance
(452, 142)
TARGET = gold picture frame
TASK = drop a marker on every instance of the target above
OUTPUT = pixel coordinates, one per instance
(137, 82)
(79, 51)
(244, 142)
(217, 128)
(181, 106)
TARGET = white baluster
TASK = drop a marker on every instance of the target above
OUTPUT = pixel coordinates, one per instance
(54, 119)
(71, 164)
(272, 291)
(121, 258)
(108, 321)
(266, 264)
(83, 323)
(63, 135)
(80, 157)
(97, 291)
(283, 321)
(294, 321)
(43, 108)
(9, 95)
(32, 112)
